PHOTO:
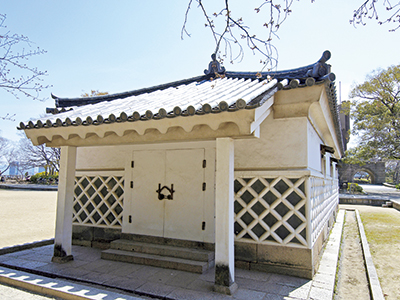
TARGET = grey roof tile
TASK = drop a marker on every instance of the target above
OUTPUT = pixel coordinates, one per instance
(198, 95)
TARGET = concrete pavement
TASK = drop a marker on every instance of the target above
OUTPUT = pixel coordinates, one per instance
(34, 268)
(380, 190)
(376, 195)
(89, 275)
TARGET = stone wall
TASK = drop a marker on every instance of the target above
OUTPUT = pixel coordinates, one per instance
(375, 170)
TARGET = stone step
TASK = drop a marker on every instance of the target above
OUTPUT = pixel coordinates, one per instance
(388, 204)
(164, 250)
(156, 260)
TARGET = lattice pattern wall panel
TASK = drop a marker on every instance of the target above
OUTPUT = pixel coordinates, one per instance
(324, 197)
(98, 201)
(270, 210)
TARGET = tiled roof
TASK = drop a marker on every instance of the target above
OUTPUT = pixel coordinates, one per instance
(227, 91)
(300, 76)
(222, 94)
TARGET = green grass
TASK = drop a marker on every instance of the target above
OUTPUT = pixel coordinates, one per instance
(381, 228)
(383, 234)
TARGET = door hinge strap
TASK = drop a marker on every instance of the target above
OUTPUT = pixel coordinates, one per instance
(131, 184)
(204, 163)
(204, 186)
(132, 164)
(203, 225)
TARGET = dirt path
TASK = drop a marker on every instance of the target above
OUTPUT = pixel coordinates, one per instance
(352, 280)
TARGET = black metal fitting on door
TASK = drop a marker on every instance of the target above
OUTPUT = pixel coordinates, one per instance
(170, 190)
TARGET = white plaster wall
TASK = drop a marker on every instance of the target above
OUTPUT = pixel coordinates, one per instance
(115, 157)
(282, 144)
(103, 157)
(314, 146)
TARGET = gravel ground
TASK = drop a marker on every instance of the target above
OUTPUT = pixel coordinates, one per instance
(12, 293)
(26, 216)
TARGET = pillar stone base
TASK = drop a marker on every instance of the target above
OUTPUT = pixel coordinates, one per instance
(62, 259)
(227, 290)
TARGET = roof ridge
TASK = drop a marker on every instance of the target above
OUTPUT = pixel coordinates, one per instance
(316, 70)
(319, 71)
(78, 101)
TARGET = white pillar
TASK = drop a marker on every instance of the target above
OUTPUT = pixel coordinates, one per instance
(328, 165)
(224, 217)
(334, 171)
(65, 197)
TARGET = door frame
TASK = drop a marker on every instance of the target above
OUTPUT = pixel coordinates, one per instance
(209, 195)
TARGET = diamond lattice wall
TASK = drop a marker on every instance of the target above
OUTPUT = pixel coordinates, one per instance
(270, 210)
(98, 201)
(324, 198)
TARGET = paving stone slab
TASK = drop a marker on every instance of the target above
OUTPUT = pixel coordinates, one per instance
(185, 294)
(183, 279)
(317, 293)
(246, 294)
(152, 288)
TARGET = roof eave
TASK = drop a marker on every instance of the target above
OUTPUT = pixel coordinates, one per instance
(238, 124)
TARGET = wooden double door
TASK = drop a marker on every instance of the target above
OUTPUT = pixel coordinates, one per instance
(168, 194)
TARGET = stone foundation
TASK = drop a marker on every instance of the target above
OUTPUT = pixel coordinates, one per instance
(96, 237)
(276, 259)
(363, 200)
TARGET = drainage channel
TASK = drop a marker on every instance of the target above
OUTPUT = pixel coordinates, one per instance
(352, 281)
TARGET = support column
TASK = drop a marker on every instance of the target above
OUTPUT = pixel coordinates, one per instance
(328, 165)
(224, 217)
(334, 174)
(65, 197)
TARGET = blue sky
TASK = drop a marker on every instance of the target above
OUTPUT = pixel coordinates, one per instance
(116, 46)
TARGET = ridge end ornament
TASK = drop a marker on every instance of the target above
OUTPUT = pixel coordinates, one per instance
(214, 67)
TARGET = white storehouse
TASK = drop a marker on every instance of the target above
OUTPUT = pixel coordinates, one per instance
(237, 164)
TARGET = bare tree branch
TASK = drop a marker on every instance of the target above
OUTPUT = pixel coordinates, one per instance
(370, 10)
(229, 34)
(5, 148)
(16, 77)
(38, 156)
(233, 35)
(8, 117)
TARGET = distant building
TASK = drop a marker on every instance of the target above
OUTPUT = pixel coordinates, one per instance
(14, 169)
(344, 118)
